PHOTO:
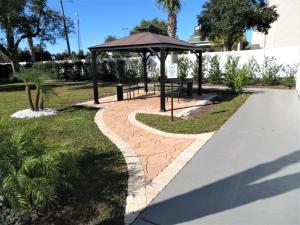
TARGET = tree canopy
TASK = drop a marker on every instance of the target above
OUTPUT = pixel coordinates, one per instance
(144, 24)
(27, 19)
(230, 19)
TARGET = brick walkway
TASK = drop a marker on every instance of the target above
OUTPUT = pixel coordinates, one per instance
(154, 150)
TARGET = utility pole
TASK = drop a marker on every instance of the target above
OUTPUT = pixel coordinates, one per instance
(65, 27)
(78, 31)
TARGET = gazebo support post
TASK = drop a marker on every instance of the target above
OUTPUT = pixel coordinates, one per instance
(95, 77)
(199, 55)
(144, 59)
(162, 80)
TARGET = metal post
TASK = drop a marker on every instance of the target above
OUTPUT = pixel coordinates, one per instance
(172, 107)
(162, 80)
(144, 59)
(200, 73)
(95, 77)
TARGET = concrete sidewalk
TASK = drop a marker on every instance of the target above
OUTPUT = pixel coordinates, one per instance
(248, 173)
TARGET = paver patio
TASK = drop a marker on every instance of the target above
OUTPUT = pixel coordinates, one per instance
(161, 155)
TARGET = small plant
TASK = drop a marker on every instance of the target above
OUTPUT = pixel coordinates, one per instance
(120, 69)
(184, 64)
(231, 68)
(32, 171)
(253, 68)
(270, 71)
(214, 71)
(38, 78)
(240, 80)
(137, 68)
(290, 74)
(235, 78)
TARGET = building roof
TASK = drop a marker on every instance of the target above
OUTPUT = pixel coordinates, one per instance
(196, 39)
(141, 41)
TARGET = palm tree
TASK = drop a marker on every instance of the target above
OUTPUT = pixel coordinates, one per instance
(38, 78)
(172, 7)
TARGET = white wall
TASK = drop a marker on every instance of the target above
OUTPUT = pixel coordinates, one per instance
(285, 56)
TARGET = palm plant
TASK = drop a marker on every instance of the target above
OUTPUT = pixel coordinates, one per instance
(38, 78)
(31, 171)
(172, 7)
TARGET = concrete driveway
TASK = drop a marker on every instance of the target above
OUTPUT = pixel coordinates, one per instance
(248, 173)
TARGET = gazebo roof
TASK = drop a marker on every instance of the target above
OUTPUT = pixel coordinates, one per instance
(146, 40)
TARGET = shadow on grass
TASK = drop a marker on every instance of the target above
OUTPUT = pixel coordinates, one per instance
(101, 183)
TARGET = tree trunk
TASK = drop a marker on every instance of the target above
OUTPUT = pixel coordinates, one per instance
(28, 92)
(42, 103)
(172, 30)
(15, 64)
(37, 97)
(31, 49)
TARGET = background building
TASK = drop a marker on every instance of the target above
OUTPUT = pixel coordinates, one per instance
(285, 32)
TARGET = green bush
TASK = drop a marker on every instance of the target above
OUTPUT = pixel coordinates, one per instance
(235, 78)
(184, 65)
(253, 68)
(231, 68)
(241, 79)
(289, 76)
(120, 70)
(270, 71)
(214, 71)
(32, 171)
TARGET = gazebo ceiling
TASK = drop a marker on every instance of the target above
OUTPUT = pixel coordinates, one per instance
(142, 41)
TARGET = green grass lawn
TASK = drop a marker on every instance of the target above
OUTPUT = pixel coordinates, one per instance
(100, 189)
(211, 120)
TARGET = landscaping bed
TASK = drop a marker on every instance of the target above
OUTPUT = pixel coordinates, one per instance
(98, 194)
(204, 119)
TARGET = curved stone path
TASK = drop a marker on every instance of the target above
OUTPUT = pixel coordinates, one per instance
(153, 157)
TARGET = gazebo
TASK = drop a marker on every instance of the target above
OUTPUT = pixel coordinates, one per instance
(147, 44)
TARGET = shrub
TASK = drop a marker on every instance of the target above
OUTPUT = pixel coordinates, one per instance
(270, 71)
(184, 65)
(120, 70)
(289, 76)
(32, 171)
(5, 71)
(241, 79)
(137, 69)
(231, 68)
(235, 78)
(214, 71)
(253, 68)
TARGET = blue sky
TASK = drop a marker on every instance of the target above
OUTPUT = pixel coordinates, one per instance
(100, 18)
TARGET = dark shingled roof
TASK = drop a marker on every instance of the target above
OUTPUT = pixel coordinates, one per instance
(140, 41)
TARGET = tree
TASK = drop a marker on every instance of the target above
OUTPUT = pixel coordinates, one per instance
(38, 77)
(144, 24)
(110, 38)
(27, 19)
(228, 20)
(172, 7)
